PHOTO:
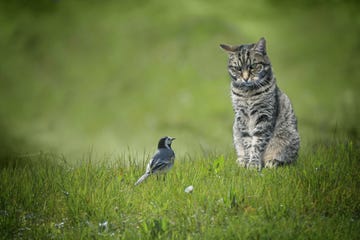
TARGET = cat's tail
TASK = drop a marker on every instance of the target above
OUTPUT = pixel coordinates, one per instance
(142, 178)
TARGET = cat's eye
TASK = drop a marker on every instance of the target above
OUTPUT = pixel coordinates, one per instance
(255, 67)
(235, 68)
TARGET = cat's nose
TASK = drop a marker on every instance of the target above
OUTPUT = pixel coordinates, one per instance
(245, 75)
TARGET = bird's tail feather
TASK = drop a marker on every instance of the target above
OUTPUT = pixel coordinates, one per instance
(142, 178)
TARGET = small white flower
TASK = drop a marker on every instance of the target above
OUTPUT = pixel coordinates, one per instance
(66, 193)
(189, 189)
(103, 224)
(59, 225)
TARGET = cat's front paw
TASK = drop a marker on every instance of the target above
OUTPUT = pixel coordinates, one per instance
(241, 162)
(256, 165)
(273, 163)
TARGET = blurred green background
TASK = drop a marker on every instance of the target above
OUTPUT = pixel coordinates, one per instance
(117, 75)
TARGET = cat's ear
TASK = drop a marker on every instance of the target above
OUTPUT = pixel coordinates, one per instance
(260, 46)
(228, 48)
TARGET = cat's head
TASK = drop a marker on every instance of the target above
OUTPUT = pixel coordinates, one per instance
(249, 66)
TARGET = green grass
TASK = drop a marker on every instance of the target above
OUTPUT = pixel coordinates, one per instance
(46, 197)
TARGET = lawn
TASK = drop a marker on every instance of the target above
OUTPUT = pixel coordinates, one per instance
(317, 198)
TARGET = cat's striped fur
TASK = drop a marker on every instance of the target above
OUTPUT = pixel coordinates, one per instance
(265, 127)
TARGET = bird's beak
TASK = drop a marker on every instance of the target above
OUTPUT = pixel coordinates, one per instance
(172, 139)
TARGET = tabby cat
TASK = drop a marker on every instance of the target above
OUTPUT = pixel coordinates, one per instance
(265, 127)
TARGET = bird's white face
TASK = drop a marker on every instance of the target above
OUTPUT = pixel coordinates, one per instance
(168, 141)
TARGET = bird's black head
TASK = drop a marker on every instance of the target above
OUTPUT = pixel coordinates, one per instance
(165, 142)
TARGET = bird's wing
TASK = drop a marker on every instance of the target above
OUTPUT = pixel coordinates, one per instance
(160, 161)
